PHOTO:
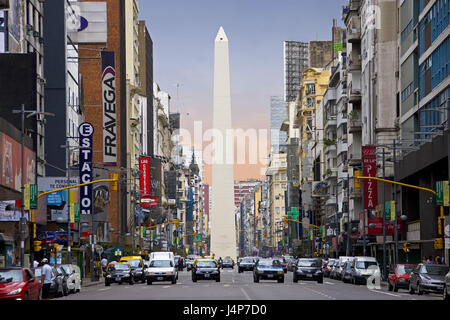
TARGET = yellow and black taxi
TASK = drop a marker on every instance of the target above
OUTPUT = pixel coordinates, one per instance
(137, 267)
(268, 269)
(118, 272)
(205, 269)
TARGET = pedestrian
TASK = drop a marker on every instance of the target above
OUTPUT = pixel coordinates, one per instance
(35, 264)
(46, 278)
(430, 259)
(180, 264)
(437, 260)
(104, 263)
(424, 259)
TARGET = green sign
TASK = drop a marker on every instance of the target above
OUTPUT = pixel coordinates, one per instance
(439, 193)
(338, 46)
(197, 237)
(33, 196)
(76, 207)
(293, 214)
(387, 210)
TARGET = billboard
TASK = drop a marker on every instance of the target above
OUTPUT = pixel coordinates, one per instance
(145, 181)
(369, 159)
(10, 211)
(109, 108)
(319, 189)
(86, 131)
(377, 228)
(88, 22)
(11, 164)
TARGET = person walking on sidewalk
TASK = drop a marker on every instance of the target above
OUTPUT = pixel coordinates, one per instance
(104, 263)
(46, 278)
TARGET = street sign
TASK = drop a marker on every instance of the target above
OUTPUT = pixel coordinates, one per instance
(86, 132)
(387, 210)
(33, 196)
(293, 214)
(446, 193)
(26, 197)
(369, 159)
(118, 251)
(439, 193)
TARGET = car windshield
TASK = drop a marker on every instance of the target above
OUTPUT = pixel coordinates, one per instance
(435, 270)
(206, 264)
(405, 269)
(118, 267)
(134, 263)
(227, 261)
(331, 263)
(269, 263)
(365, 264)
(308, 263)
(161, 264)
(7, 276)
(247, 261)
(66, 269)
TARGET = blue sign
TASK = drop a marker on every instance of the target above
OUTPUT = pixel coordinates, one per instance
(86, 131)
(118, 251)
(55, 199)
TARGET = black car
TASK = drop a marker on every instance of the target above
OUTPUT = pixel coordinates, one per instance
(118, 272)
(205, 270)
(228, 263)
(308, 269)
(246, 264)
(57, 286)
(428, 278)
(268, 269)
(65, 278)
(137, 269)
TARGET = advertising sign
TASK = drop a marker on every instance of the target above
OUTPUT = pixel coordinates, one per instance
(54, 237)
(319, 189)
(9, 212)
(439, 193)
(145, 181)
(86, 131)
(88, 22)
(10, 163)
(109, 108)
(446, 193)
(377, 228)
(370, 170)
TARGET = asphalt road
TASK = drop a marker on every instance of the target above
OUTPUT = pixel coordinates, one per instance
(240, 286)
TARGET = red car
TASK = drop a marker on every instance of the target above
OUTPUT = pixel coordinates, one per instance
(399, 279)
(283, 263)
(18, 283)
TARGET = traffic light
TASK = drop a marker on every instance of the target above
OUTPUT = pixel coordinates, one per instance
(37, 246)
(114, 183)
(406, 247)
(285, 220)
(438, 244)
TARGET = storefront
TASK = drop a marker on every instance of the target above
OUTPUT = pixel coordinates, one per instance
(6, 250)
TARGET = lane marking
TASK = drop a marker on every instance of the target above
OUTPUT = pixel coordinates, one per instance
(245, 294)
(330, 283)
(226, 285)
(387, 293)
(165, 287)
(105, 289)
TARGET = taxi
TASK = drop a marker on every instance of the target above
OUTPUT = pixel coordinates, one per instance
(205, 269)
(137, 267)
(118, 272)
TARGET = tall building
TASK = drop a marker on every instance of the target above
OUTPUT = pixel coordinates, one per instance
(223, 229)
(296, 59)
(242, 188)
(63, 87)
(278, 109)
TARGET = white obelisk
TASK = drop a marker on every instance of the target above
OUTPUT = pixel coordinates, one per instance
(223, 229)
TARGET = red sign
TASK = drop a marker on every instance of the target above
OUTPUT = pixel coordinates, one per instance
(149, 202)
(369, 159)
(145, 181)
(378, 227)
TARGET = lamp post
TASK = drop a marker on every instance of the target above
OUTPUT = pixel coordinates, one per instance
(23, 222)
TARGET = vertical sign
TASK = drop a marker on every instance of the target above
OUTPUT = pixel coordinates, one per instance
(446, 193)
(369, 158)
(392, 209)
(439, 193)
(26, 197)
(387, 210)
(109, 108)
(33, 196)
(86, 131)
(145, 181)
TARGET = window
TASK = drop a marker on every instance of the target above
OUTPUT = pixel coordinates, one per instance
(277, 177)
(283, 176)
(277, 210)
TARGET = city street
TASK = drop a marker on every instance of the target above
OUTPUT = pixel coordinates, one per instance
(235, 286)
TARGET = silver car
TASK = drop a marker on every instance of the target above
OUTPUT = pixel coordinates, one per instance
(74, 277)
(446, 294)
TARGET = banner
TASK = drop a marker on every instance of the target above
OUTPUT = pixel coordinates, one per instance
(392, 210)
(9, 212)
(33, 196)
(109, 108)
(439, 193)
(369, 158)
(446, 193)
(88, 23)
(86, 131)
(26, 198)
(387, 210)
(378, 226)
(145, 181)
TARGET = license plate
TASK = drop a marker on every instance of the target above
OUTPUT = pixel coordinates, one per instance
(160, 278)
(270, 275)
(309, 275)
(118, 279)
(206, 275)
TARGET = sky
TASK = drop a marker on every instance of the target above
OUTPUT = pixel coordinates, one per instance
(183, 33)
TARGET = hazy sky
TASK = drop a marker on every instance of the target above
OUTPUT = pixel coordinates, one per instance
(183, 33)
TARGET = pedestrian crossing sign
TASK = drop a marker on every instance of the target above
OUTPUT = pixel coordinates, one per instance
(118, 251)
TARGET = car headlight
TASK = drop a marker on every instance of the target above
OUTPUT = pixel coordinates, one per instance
(426, 281)
(17, 291)
(151, 273)
(108, 276)
(299, 270)
(259, 272)
(169, 273)
(280, 272)
(318, 271)
(126, 275)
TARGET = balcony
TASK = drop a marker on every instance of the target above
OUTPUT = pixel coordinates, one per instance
(355, 193)
(354, 61)
(331, 174)
(354, 121)
(330, 149)
(330, 94)
(341, 147)
(331, 122)
(354, 29)
(354, 156)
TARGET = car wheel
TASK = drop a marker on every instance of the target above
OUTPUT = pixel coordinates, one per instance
(320, 280)
(149, 282)
(395, 288)
(411, 289)
(174, 280)
(419, 289)
(295, 279)
(281, 280)
(131, 281)
(256, 279)
(194, 279)
(390, 288)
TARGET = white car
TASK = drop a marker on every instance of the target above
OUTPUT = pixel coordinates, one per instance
(161, 270)
(363, 268)
(74, 280)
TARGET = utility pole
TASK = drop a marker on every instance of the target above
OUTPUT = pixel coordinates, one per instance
(384, 218)
(69, 254)
(349, 231)
(336, 219)
(395, 201)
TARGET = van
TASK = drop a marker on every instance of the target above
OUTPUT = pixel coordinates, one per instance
(363, 268)
(163, 255)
